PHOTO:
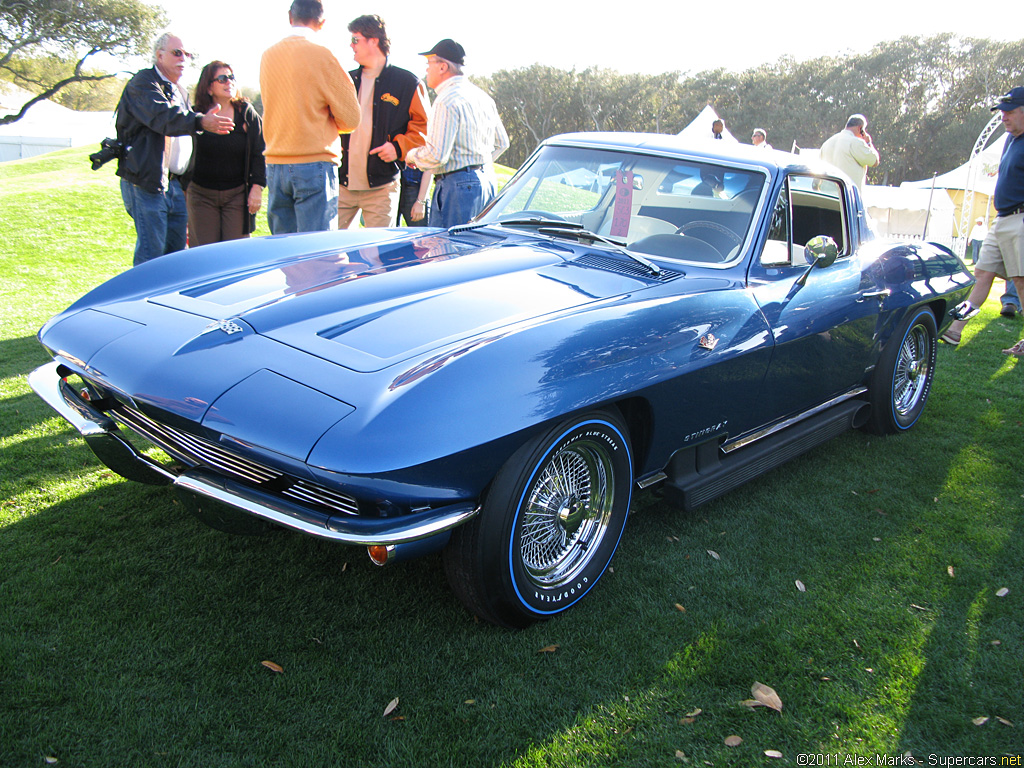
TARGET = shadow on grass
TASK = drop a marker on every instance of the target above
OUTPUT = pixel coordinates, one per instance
(141, 632)
(19, 357)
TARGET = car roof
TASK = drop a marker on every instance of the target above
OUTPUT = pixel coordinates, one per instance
(668, 145)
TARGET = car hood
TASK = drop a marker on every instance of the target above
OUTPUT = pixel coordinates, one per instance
(280, 315)
(373, 306)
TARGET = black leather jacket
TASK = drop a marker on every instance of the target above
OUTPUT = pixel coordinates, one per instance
(398, 100)
(146, 113)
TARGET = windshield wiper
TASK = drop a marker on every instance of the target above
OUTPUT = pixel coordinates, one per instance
(585, 234)
(536, 221)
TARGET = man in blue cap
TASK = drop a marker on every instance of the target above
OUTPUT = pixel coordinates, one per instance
(464, 136)
(1002, 252)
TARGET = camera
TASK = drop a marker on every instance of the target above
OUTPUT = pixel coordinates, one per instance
(109, 150)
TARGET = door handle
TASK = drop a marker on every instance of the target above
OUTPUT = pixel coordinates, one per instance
(880, 295)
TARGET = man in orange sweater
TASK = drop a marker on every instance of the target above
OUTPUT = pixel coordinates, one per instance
(308, 100)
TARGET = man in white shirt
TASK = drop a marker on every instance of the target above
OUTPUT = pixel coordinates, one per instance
(464, 136)
(851, 150)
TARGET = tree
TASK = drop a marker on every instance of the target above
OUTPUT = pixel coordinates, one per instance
(68, 31)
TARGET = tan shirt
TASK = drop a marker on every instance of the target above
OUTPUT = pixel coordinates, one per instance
(359, 142)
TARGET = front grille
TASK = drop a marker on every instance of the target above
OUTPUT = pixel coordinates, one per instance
(197, 451)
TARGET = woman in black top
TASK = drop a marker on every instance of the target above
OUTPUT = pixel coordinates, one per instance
(229, 173)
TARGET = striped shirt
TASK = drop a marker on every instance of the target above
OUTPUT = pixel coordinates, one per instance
(464, 129)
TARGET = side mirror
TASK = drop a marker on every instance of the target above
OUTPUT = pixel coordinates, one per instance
(821, 251)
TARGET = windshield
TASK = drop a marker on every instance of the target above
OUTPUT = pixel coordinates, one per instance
(676, 208)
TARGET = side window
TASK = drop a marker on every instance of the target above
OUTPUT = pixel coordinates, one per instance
(818, 208)
(776, 248)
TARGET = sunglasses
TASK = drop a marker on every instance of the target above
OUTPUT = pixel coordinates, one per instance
(180, 53)
(224, 79)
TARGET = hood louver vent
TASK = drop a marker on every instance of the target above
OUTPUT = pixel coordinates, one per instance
(625, 267)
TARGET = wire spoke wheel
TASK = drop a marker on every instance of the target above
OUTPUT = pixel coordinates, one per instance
(549, 524)
(567, 514)
(903, 376)
(913, 370)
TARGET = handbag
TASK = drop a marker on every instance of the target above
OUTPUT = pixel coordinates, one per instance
(249, 220)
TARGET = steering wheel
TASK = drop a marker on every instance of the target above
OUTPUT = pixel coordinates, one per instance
(714, 227)
(545, 215)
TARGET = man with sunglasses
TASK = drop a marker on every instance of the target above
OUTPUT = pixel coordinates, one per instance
(394, 106)
(155, 126)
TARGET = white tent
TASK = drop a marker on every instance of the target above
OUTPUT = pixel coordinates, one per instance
(700, 128)
(905, 213)
(983, 169)
(47, 126)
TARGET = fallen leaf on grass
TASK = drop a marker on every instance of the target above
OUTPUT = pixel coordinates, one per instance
(714, 554)
(772, 753)
(980, 720)
(391, 707)
(680, 755)
(1004, 721)
(695, 713)
(50, 760)
(766, 696)
(800, 586)
(949, 570)
(680, 608)
(548, 649)
(272, 666)
(733, 741)
(1002, 592)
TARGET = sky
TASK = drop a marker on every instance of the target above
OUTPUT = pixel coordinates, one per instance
(631, 36)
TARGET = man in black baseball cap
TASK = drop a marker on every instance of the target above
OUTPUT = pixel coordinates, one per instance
(448, 50)
(464, 137)
(1002, 252)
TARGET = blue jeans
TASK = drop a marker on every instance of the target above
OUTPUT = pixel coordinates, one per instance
(975, 249)
(160, 219)
(410, 190)
(303, 197)
(1011, 297)
(460, 196)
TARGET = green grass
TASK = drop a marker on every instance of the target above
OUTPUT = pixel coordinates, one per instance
(130, 634)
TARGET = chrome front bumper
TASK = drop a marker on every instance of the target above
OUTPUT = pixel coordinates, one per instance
(103, 436)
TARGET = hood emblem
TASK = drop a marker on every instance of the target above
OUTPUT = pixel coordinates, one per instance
(228, 326)
(708, 341)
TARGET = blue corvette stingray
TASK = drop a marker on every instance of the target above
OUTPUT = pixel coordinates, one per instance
(630, 312)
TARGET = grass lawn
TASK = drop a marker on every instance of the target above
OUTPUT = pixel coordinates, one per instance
(130, 634)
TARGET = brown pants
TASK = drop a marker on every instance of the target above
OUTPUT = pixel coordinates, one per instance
(215, 215)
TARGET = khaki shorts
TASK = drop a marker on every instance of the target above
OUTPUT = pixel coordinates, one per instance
(1003, 249)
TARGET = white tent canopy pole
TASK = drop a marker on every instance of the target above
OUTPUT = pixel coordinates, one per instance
(967, 206)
